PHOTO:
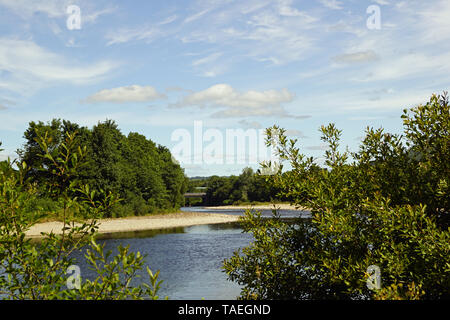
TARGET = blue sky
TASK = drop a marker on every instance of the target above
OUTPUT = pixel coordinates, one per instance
(157, 66)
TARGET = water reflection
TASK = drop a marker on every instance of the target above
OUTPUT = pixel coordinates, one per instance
(284, 213)
(190, 260)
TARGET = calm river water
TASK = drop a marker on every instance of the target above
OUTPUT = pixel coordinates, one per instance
(190, 258)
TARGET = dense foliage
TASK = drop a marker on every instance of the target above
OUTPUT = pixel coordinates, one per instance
(134, 167)
(248, 187)
(44, 271)
(386, 205)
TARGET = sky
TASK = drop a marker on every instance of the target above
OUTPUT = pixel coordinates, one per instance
(164, 67)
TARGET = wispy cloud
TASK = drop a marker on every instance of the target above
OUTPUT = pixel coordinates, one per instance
(124, 35)
(274, 32)
(92, 16)
(295, 133)
(407, 65)
(332, 4)
(357, 57)
(249, 124)
(208, 59)
(196, 16)
(168, 20)
(32, 66)
(434, 22)
(26, 8)
(382, 2)
(212, 65)
(55, 8)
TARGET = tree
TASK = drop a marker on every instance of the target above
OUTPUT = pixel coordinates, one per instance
(218, 190)
(388, 207)
(134, 167)
(30, 271)
(173, 176)
(32, 154)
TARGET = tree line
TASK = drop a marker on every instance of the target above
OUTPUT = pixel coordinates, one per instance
(135, 168)
(248, 187)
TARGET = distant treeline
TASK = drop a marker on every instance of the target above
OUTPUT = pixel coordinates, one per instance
(141, 172)
(247, 187)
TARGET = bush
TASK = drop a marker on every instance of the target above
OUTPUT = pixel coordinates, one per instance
(28, 271)
(389, 208)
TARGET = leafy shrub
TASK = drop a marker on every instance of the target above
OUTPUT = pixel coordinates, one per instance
(30, 271)
(389, 207)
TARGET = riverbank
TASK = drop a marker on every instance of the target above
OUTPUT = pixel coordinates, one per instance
(279, 206)
(132, 224)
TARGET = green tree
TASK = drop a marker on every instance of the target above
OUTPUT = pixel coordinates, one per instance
(132, 166)
(32, 154)
(219, 190)
(388, 207)
(173, 176)
(30, 271)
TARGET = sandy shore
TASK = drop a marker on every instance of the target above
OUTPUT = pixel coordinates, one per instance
(173, 220)
(282, 206)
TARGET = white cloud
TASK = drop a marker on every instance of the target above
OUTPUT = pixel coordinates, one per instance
(133, 93)
(209, 66)
(414, 51)
(147, 34)
(6, 156)
(434, 22)
(91, 17)
(382, 2)
(295, 133)
(168, 20)
(286, 9)
(395, 101)
(357, 57)
(237, 104)
(225, 95)
(174, 89)
(332, 4)
(144, 33)
(267, 31)
(208, 59)
(408, 65)
(196, 16)
(54, 8)
(250, 124)
(26, 8)
(31, 66)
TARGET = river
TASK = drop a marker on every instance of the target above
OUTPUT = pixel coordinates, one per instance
(190, 259)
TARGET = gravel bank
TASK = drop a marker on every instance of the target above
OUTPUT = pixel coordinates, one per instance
(172, 220)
